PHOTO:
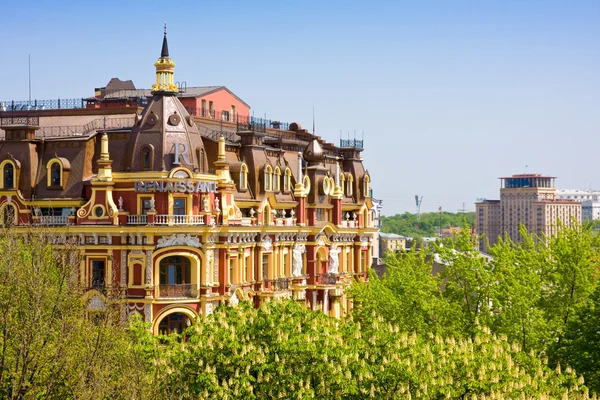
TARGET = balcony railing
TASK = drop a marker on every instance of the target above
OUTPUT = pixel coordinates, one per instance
(327, 279)
(163, 219)
(13, 105)
(281, 284)
(185, 290)
(137, 220)
(54, 220)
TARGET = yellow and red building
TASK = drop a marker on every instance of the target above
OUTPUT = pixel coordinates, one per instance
(179, 213)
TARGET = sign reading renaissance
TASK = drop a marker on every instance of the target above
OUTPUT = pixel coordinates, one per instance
(177, 186)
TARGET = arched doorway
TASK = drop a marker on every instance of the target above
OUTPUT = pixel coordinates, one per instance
(173, 323)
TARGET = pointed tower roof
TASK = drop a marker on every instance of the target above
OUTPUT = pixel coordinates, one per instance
(164, 70)
(165, 47)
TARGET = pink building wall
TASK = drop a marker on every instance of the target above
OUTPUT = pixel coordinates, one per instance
(222, 101)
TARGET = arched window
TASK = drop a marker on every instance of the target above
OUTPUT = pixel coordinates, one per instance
(55, 174)
(276, 179)
(349, 182)
(287, 180)
(9, 176)
(244, 177)
(268, 178)
(366, 186)
(173, 323)
(147, 157)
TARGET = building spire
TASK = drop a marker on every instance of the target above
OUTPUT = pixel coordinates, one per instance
(164, 70)
(165, 48)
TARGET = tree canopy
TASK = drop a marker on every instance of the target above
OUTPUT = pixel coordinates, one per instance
(540, 294)
(425, 224)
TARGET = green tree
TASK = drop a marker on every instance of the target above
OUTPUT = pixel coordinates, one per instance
(49, 347)
(283, 350)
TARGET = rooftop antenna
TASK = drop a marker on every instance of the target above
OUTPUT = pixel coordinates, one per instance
(313, 120)
(418, 202)
(29, 79)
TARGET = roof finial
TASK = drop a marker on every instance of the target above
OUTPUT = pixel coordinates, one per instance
(165, 48)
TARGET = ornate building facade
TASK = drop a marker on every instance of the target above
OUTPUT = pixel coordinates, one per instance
(178, 217)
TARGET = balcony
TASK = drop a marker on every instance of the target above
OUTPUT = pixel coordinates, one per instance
(137, 220)
(55, 220)
(281, 284)
(180, 291)
(327, 279)
(163, 219)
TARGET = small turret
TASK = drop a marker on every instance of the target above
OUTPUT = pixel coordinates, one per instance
(164, 70)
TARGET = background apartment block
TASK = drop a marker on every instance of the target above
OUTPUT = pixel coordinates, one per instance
(528, 199)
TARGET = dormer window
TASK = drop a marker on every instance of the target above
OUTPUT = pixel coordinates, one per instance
(268, 178)
(349, 182)
(244, 177)
(366, 186)
(55, 174)
(276, 179)
(287, 180)
(9, 176)
(147, 157)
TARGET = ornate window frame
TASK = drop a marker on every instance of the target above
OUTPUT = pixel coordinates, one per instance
(277, 180)
(15, 172)
(243, 177)
(147, 149)
(287, 180)
(64, 168)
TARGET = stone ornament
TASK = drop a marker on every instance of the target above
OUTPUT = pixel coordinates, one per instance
(267, 243)
(179, 239)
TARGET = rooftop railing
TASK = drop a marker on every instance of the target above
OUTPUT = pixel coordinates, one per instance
(54, 104)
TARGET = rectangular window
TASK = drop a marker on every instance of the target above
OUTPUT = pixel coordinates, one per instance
(203, 108)
(233, 113)
(211, 109)
(98, 270)
(225, 115)
(179, 207)
(146, 206)
(231, 271)
(247, 265)
(320, 214)
(284, 265)
(265, 266)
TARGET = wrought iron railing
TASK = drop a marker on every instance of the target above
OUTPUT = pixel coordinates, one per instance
(137, 219)
(281, 284)
(185, 290)
(53, 104)
(72, 130)
(327, 279)
(259, 124)
(358, 144)
(164, 219)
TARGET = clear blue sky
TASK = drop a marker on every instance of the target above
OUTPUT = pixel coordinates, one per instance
(450, 94)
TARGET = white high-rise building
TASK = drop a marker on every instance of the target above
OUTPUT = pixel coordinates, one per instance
(589, 199)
